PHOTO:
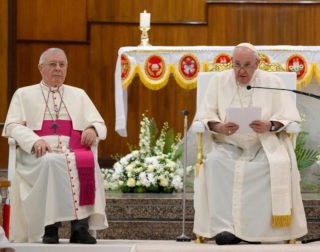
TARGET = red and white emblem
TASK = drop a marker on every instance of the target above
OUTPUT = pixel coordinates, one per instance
(189, 66)
(155, 67)
(125, 66)
(296, 63)
(222, 58)
(263, 57)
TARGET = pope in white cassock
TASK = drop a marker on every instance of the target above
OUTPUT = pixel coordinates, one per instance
(248, 187)
(57, 176)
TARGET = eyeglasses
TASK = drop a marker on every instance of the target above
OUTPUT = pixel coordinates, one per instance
(56, 64)
(245, 67)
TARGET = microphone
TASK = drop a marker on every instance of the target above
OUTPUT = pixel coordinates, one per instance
(291, 90)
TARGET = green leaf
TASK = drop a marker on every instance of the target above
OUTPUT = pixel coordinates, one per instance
(305, 157)
(169, 141)
(301, 139)
(178, 153)
(132, 147)
(153, 133)
(116, 157)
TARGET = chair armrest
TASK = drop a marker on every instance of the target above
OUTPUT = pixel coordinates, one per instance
(198, 127)
(94, 149)
(12, 157)
(293, 128)
(11, 142)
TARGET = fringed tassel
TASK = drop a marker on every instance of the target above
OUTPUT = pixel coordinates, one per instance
(279, 221)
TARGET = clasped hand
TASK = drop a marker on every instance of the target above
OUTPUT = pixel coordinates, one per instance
(88, 137)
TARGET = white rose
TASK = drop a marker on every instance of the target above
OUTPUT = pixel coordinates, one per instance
(135, 153)
(129, 167)
(150, 168)
(163, 182)
(177, 183)
(131, 182)
(138, 170)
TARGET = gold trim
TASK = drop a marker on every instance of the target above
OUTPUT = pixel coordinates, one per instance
(264, 57)
(279, 221)
(218, 67)
(272, 67)
(199, 154)
(312, 70)
(182, 82)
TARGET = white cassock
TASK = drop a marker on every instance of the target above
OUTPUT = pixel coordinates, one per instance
(46, 190)
(3, 238)
(249, 183)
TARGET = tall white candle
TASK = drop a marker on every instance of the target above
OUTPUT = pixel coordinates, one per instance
(145, 19)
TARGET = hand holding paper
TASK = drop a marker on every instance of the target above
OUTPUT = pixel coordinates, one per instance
(243, 117)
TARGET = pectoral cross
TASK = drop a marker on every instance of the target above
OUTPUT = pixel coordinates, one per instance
(54, 126)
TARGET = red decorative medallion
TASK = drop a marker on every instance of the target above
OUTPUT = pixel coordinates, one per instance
(296, 63)
(222, 58)
(189, 66)
(264, 58)
(155, 67)
(125, 66)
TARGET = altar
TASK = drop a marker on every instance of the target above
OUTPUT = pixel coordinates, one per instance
(155, 64)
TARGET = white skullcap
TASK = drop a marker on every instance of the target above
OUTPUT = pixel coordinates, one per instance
(249, 46)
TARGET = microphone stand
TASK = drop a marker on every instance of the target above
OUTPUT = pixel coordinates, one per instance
(292, 90)
(306, 94)
(183, 237)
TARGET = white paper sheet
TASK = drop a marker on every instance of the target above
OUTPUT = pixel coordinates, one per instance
(243, 117)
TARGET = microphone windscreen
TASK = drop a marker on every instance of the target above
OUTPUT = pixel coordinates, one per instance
(249, 87)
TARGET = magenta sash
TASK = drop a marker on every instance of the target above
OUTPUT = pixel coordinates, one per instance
(83, 154)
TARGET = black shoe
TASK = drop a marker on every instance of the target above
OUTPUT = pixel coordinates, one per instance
(226, 238)
(252, 242)
(80, 232)
(82, 236)
(50, 234)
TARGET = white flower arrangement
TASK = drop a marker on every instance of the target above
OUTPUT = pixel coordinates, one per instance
(155, 167)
